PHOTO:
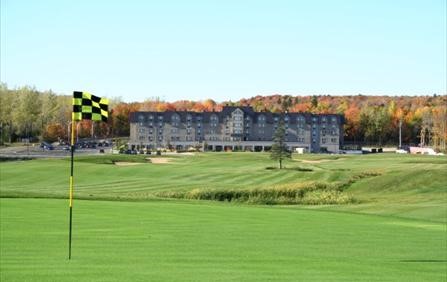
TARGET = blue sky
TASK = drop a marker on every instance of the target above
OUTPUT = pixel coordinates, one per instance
(225, 49)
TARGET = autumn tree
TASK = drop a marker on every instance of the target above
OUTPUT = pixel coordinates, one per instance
(440, 128)
(53, 132)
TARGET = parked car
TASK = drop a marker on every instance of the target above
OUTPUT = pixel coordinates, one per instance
(46, 146)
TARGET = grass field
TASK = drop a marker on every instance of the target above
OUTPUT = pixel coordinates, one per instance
(396, 231)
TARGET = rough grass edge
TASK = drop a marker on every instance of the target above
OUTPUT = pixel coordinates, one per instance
(304, 193)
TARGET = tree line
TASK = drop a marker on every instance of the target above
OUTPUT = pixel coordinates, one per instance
(28, 113)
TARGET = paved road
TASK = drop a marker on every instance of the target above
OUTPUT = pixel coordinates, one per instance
(37, 152)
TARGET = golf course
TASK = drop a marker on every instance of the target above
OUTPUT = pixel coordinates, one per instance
(225, 217)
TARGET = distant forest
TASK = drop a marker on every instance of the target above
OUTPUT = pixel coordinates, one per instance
(369, 120)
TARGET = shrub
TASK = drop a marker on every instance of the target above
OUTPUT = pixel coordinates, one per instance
(312, 192)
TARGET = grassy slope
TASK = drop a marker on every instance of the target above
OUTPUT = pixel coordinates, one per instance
(197, 241)
(410, 186)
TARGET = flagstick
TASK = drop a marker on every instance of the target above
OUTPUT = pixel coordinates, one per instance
(73, 127)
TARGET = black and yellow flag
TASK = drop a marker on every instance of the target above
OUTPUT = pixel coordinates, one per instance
(88, 106)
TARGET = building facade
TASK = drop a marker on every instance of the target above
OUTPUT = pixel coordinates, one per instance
(234, 128)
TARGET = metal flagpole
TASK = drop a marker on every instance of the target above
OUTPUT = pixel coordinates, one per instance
(73, 128)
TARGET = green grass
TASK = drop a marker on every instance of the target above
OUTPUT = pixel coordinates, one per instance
(198, 241)
(408, 186)
(395, 230)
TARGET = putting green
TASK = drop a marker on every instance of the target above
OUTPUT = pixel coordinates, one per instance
(203, 241)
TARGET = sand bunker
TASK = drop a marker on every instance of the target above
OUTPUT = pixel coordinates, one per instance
(314, 161)
(159, 160)
(126, 163)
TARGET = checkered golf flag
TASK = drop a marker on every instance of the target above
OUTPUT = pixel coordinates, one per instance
(88, 106)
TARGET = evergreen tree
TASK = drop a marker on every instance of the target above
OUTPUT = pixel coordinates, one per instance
(314, 102)
(279, 149)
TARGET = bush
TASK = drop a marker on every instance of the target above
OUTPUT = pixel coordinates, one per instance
(295, 193)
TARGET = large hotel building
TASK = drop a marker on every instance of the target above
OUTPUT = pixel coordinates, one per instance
(234, 128)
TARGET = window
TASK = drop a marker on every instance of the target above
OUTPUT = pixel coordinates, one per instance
(334, 140)
(175, 118)
(334, 120)
(323, 140)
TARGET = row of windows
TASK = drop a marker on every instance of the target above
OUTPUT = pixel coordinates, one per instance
(300, 131)
(238, 117)
(324, 140)
(235, 124)
(216, 138)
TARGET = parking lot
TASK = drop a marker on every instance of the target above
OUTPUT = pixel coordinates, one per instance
(58, 151)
